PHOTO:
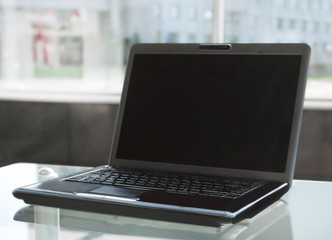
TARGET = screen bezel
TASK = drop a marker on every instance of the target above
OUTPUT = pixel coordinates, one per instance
(237, 49)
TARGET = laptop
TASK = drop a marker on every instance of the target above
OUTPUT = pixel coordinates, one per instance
(205, 134)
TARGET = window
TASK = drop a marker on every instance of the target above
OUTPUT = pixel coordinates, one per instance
(58, 46)
(173, 37)
(292, 24)
(192, 13)
(174, 11)
(304, 25)
(191, 37)
(316, 27)
(280, 23)
(327, 28)
(283, 21)
(71, 46)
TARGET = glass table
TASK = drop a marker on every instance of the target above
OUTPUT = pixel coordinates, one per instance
(303, 213)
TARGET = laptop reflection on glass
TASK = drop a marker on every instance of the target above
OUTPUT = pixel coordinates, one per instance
(206, 134)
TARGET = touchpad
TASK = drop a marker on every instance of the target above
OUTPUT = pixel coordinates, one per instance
(118, 192)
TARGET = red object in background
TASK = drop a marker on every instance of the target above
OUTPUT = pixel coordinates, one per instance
(40, 41)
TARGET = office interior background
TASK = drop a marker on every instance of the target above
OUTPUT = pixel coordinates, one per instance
(62, 67)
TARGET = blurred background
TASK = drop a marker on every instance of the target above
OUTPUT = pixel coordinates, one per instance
(62, 67)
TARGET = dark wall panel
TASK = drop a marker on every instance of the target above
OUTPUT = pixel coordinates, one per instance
(314, 159)
(91, 131)
(36, 132)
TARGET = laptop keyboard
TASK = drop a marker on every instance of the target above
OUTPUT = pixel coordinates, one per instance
(173, 183)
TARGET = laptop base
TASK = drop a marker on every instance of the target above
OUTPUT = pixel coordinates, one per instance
(92, 205)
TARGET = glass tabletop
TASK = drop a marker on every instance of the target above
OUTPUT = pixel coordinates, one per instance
(303, 213)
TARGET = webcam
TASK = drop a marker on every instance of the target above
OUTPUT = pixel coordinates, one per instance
(223, 47)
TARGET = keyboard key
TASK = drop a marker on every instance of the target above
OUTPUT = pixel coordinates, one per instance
(181, 184)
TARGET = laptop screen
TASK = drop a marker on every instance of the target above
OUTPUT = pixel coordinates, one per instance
(213, 110)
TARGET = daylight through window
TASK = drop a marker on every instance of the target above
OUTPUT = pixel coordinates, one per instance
(81, 46)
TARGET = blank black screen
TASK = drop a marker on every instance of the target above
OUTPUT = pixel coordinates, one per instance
(225, 111)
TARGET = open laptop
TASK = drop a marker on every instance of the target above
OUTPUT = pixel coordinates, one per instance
(206, 134)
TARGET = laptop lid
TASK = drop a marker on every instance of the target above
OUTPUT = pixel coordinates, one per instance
(225, 110)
